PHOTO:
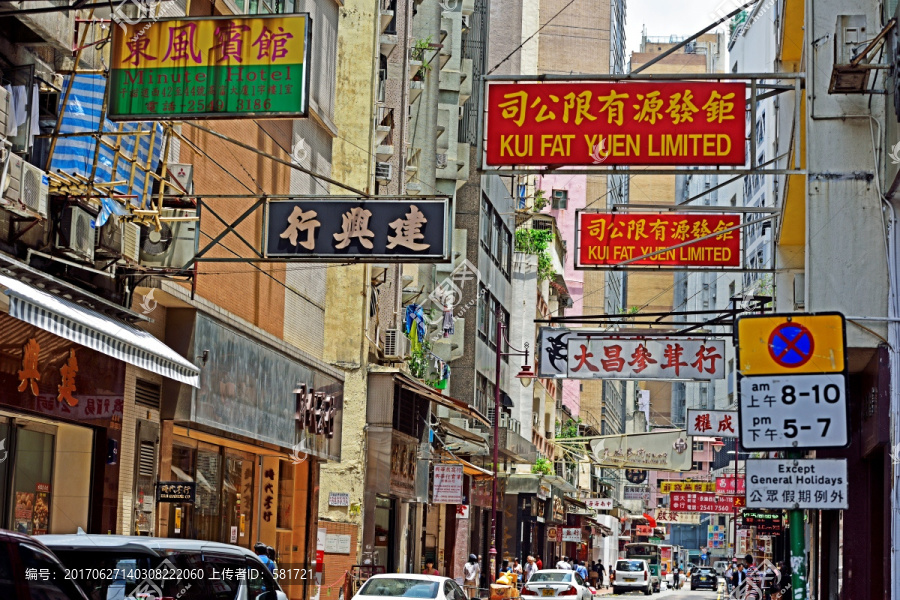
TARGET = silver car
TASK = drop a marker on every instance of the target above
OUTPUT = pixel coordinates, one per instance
(557, 583)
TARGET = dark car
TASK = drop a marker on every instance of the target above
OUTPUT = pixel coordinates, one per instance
(29, 571)
(704, 578)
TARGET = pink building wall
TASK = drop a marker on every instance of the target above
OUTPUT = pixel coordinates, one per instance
(576, 185)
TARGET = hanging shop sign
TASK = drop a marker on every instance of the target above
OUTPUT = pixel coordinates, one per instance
(660, 451)
(544, 491)
(636, 492)
(552, 352)
(571, 534)
(599, 503)
(211, 67)
(766, 523)
(670, 516)
(176, 491)
(448, 484)
(792, 391)
(551, 534)
(686, 486)
(731, 486)
(704, 503)
(797, 483)
(645, 358)
(403, 467)
(607, 239)
(341, 228)
(644, 530)
(719, 423)
(614, 123)
(636, 476)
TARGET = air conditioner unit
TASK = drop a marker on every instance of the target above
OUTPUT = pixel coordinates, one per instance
(396, 345)
(174, 245)
(383, 172)
(799, 291)
(118, 238)
(183, 175)
(26, 188)
(75, 236)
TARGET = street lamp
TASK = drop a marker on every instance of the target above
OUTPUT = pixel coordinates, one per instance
(525, 375)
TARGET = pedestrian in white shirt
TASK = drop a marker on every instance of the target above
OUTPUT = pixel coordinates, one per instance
(471, 574)
(530, 568)
(564, 564)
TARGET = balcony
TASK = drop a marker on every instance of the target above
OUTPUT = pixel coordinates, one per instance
(387, 42)
(415, 89)
(388, 17)
(384, 134)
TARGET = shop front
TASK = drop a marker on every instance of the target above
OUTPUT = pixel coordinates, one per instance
(62, 388)
(248, 442)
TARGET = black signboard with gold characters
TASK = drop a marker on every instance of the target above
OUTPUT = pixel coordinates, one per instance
(636, 476)
(176, 491)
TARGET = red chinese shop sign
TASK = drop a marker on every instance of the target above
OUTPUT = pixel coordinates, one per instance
(704, 503)
(608, 239)
(645, 358)
(615, 123)
(731, 486)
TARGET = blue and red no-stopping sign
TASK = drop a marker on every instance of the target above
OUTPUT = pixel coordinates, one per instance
(791, 345)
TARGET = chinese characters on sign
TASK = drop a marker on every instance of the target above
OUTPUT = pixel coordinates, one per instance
(731, 486)
(705, 503)
(448, 484)
(268, 494)
(599, 503)
(633, 123)
(716, 423)
(670, 516)
(636, 492)
(339, 229)
(766, 523)
(571, 534)
(606, 239)
(316, 412)
(175, 491)
(660, 358)
(662, 451)
(798, 484)
(338, 499)
(644, 530)
(686, 486)
(209, 67)
(30, 374)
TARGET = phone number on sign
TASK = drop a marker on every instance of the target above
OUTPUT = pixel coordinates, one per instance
(293, 574)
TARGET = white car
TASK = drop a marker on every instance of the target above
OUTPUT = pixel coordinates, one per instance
(670, 578)
(557, 583)
(631, 574)
(409, 585)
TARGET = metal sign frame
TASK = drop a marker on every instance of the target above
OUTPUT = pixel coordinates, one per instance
(843, 373)
(761, 86)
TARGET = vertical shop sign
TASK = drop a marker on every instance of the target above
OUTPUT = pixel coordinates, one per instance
(268, 494)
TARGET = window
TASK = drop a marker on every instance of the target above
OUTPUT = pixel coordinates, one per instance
(697, 466)
(560, 199)
(483, 309)
(485, 223)
(496, 241)
(698, 446)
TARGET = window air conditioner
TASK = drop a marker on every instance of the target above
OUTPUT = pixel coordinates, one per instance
(396, 345)
(118, 238)
(75, 236)
(26, 188)
(174, 245)
(383, 172)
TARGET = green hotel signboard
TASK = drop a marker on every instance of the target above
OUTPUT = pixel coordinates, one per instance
(214, 67)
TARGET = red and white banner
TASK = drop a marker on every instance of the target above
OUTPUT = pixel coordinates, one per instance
(730, 486)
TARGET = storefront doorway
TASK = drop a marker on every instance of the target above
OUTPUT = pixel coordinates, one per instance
(36, 469)
(384, 533)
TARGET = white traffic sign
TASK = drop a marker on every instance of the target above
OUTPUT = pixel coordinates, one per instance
(793, 411)
(797, 483)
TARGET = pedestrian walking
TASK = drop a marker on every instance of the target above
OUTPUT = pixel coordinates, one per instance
(564, 564)
(472, 575)
(517, 570)
(601, 573)
(581, 570)
(263, 554)
(530, 568)
(539, 562)
(737, 580)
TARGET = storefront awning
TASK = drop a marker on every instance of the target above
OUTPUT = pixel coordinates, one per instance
(603, 528)
(463, 434)
(99, 332)
(451, 403)
(470, 469)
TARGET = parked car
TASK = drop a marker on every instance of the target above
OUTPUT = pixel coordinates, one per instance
(704, 578)
(408, 585)
(114, 567)
(554, 583)
(28, 569)
(632, 574)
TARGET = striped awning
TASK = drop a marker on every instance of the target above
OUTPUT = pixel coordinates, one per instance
(99, 332)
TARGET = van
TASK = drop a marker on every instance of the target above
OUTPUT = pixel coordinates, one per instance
(116, 567)
(720, 566)
(632, 574)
